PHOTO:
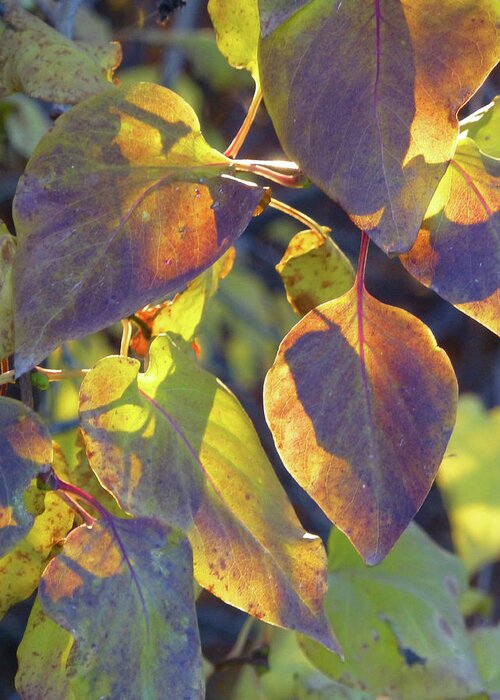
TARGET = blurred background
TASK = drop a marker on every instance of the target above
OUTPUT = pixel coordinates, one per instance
(249, 316)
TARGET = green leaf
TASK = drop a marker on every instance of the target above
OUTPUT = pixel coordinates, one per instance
(37, 60)
(364, 97)
(292, 675)
(22, 567)
(149, 642)
(237, 27)
(469, 479)
(26, 449)
(176, 443)
(361, 403)
(42, 656)
(457, 252)
(182, 316)
(399, 623)
(486, 643)
(483, 127)
(25, 123)
(314, 270)
(131, 204)
(7, 253)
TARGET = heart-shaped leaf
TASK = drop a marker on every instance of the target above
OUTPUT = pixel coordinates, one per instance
(149, 641)
(174, 442)
(122, 203)
(399, 623)
(38, 60)
(361, 403)
(457, 252)
(26, 449)
(364, 97)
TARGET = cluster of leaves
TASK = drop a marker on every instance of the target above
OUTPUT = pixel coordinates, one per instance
(122, 204)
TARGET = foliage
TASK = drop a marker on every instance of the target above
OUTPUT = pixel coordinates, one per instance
(125, 213)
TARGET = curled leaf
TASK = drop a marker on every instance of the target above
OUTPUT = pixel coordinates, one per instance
(38, 60)
(314, 270)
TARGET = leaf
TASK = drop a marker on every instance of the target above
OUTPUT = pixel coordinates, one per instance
(364, 96)
(26, 449)
(292, 675)
(184, 313)
(131, 204)
(469, 479)
(37, 60)
(314, 270)
(25, 124)
(22, 566)
(7, 253)
(399, 623)
(237, 27)
(150, 640)
(42, 656)
(361, 403)
(486, 643)
(174, 442)
(483, 127)
(457, 252)
(82, 476)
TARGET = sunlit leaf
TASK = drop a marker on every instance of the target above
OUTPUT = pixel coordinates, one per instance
(184, 313)
(131, 204)
(42, 656)
(457, 252)
(25, 450)
(176, 443)
(364, 96)
(361, 403)
(314, 270)
(82, 476)
(483, 127)
(149, 642)
(7, 253)
(38, 60)
(21, 568)
(486, 643)
(237, 27)
(469, 479)
(398, 623)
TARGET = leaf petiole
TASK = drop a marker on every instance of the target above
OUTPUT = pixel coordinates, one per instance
(234, 147)
(299, 216)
